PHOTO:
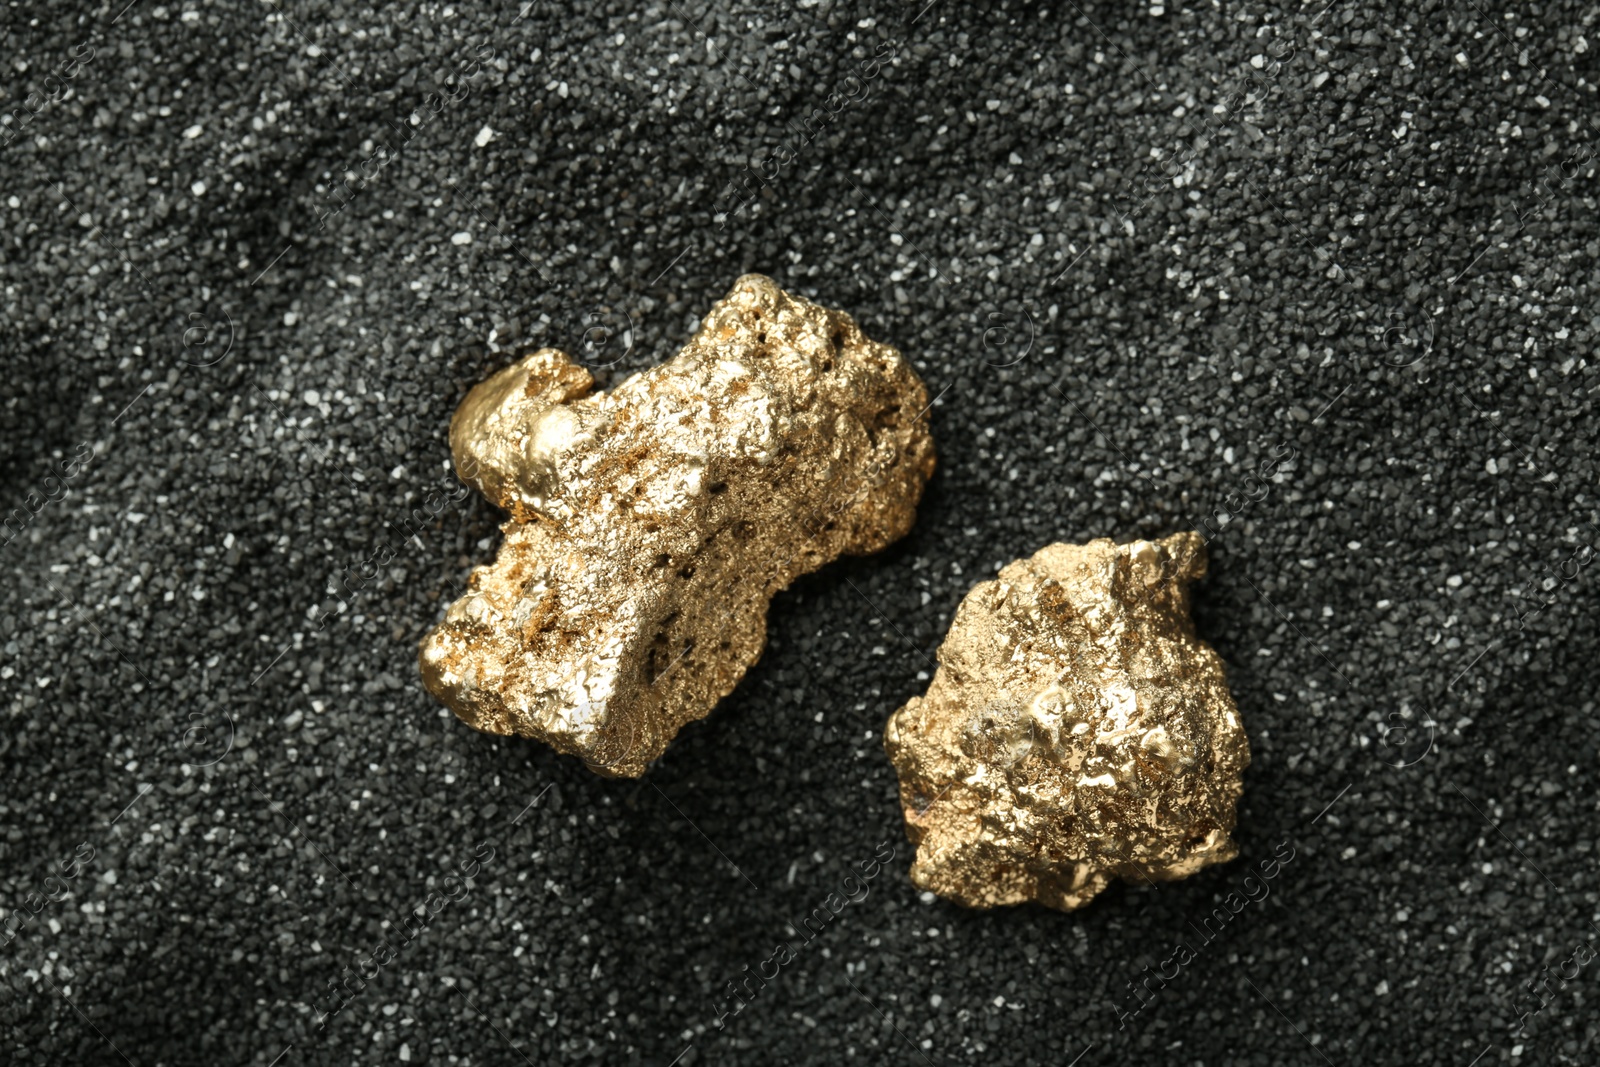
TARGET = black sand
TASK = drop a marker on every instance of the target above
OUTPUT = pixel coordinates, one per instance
(1138, 252)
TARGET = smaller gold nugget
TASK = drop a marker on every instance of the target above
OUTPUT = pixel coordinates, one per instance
(1076, 731)
(650, 525)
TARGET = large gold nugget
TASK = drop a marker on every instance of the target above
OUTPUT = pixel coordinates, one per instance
(651, 525)
(1076, 730)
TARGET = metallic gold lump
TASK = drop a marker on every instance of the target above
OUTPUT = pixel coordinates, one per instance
(650, 525)
(1076, 730)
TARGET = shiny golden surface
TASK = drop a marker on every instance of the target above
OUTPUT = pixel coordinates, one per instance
(651, 525)
(1076, 730)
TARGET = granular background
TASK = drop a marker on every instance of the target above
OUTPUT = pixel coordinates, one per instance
(254, 255)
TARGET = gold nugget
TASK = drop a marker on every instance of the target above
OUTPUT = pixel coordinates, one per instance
(1076, 730)
(651, 525)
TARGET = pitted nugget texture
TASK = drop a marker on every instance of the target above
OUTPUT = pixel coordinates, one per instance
(1076, 731)
(651, 525)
